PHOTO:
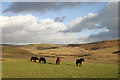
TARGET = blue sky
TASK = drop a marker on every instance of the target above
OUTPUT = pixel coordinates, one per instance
(71, 18)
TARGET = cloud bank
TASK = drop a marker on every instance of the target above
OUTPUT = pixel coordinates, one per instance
(30, 29)
(105, 18)
(41, 7)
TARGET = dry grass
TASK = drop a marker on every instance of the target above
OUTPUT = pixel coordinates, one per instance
(104, 54)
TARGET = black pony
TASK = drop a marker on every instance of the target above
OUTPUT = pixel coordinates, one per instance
(42, 59)
(79, 61)
(34, 59)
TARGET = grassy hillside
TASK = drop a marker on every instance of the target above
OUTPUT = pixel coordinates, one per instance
(93, 52)
(37, 47)
(14, 52)
(97, 45)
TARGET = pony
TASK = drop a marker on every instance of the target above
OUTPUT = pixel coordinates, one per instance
(42, 59)
(34, 59)
(58, 60)
(80, 61)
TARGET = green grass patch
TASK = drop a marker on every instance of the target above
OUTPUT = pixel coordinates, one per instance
(22, 68)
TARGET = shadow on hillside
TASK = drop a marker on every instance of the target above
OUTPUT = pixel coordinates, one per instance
(41, 48)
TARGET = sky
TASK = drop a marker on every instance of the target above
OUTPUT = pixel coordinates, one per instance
(58, 22)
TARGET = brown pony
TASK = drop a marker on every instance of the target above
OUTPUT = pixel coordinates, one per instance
(58, 60)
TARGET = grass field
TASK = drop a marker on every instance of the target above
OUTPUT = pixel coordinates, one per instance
(23, 68)
(100, 60)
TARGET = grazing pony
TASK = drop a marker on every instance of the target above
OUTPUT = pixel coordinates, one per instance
(34, 59)
(79, 61)
(42, 59)
(58, 60)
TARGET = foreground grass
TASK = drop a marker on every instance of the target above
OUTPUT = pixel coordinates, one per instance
(25, 69)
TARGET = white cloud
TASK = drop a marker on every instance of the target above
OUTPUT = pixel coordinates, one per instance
(30, 29)
(80, 23)
(108, 17)
(106, 30)
(105, 18)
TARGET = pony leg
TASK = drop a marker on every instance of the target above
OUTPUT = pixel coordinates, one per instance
(56, 62)
(44, 61)
(77, 63)
(39, 61)
(80, 64)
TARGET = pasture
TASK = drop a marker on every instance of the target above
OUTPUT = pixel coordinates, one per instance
(23, 68)
(100, 60)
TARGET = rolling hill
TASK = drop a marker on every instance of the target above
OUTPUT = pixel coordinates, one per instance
(14, 52)
(97, 45)
(103, 51)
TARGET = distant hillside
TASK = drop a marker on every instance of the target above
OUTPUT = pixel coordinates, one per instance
(103, 51)
(11, 45)
(14, 52)
(96, 45)
(39, 46)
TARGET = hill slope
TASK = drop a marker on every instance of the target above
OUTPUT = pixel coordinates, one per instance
(104, 51)
(97, 45)
(14, 52)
